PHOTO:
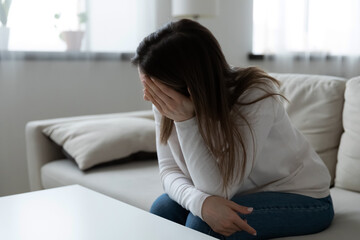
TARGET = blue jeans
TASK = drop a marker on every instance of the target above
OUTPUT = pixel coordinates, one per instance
(275, 215)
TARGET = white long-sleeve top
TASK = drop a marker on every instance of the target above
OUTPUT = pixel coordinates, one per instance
(284, 161)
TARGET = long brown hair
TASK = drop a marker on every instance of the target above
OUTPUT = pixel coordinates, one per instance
(185, 56)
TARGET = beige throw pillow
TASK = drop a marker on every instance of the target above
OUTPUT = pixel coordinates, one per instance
(92, 142)
(315, 108)
(348, 167)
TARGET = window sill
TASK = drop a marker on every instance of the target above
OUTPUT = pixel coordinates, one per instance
(64, 56)
(298, 57)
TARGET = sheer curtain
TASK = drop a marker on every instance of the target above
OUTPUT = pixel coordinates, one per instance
(312, 30)
(119, 25)
(108, 26)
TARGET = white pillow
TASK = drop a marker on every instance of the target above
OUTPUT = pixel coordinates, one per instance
(91, 142)
(315, 108)
(348, 167)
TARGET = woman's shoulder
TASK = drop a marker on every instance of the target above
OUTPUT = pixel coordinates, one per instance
(258, 101)
(259, 91)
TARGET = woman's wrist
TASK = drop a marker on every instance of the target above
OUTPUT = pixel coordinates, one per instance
(180, 120)
(186, 123)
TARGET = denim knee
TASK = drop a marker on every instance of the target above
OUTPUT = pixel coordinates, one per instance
(167, 208)
(198, 224)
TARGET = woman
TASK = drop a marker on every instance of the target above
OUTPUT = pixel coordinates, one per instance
(231, 163)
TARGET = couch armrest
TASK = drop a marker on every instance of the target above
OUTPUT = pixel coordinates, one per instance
(41, 150)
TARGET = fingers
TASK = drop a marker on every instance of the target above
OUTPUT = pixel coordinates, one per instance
(149, 94)
(161, 101)
(154, 101)
(225, 228)
(145, 97)
(150, 91)
(227, 233)
(230, 231)
(241, 209)
(239, 222)
(156, 91)
(169, 102)
(222, 216)
(169, 91)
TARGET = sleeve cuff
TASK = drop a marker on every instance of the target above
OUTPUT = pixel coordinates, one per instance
(187, 123)
(197, 203)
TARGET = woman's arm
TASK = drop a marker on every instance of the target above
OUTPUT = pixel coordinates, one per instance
(219, 213)
(179, 187)
(202, 165)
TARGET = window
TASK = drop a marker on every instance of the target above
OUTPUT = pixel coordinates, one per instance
(330, 27)
(101, 25)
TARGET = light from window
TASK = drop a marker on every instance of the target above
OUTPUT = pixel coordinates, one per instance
(329, 27)
(107, 25)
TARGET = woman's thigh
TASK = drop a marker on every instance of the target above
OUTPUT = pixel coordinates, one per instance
(284, 214)
(276, 215)
(167, 208)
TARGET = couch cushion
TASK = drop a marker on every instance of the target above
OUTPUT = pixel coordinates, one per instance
(348, 168)
(95, 141)
(346, 221)
(140, 188)
(136, 182)
(315, 108)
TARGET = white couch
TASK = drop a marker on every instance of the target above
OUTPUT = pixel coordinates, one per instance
(317, 108)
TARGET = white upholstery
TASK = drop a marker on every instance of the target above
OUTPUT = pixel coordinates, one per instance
(136, 183)
(315, 108)
(91, 142)
(41, 150)
(126, 184)
(348, 168)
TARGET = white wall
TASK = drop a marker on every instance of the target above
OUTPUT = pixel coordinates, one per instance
(32, 90)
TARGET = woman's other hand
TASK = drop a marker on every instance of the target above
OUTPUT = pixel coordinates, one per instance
(169, 102)
(222, 216)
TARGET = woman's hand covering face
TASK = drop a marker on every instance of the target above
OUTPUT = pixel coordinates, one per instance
(169, 102)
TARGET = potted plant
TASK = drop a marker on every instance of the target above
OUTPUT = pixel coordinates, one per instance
(73, 38)
(4, 31)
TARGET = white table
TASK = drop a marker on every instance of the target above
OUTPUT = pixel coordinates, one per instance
(75, 212)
